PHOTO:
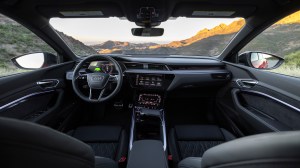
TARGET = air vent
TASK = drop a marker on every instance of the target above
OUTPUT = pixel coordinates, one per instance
(134, 65)
(76, 63)
(85, 65)
(194, 67)
(157, 67)
(130, 65)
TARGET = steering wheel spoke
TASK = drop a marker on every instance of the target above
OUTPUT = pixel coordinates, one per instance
(100, 95)
(113, 78)
(81, 77)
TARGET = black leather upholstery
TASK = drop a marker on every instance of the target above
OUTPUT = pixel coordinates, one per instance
(106, 141)
(190, 162)
(270, 150)
(101, 162)
(96, 133)
(25, 144)
(193, 140)
(195, 148)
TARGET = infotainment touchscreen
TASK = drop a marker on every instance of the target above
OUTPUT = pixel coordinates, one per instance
(146, 80)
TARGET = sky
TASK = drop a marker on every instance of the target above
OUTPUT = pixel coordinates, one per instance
(98, 30)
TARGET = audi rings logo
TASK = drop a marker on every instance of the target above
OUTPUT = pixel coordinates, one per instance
(97, 78)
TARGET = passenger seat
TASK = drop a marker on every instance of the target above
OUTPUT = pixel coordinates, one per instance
(193, 140)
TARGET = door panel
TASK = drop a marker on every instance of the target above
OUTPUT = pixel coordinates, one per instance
(34, 96)
(266, 102)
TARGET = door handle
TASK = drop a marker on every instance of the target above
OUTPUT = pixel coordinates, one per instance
(246, 83)
(48, 83)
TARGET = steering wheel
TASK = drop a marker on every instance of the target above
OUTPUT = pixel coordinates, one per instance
(97, 80)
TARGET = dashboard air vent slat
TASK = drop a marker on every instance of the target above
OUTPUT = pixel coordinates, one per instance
(194, 67)
(147, 66)
(157, 67)
(134, 66)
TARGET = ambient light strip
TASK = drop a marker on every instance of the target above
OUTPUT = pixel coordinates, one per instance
(22, 99)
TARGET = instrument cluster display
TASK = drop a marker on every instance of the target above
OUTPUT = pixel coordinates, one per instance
(102, 66)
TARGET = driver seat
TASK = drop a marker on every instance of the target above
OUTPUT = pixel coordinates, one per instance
(25, 144)
(106, 141)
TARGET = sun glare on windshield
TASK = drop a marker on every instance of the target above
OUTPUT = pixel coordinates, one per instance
(182, 36)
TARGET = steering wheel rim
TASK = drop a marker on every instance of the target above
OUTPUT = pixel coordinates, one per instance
(98, 81)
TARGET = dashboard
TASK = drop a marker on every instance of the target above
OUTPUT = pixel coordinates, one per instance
(149, 80)
(162, 73)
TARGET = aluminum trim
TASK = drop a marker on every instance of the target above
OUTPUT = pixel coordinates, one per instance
(163, 124)
(132, 129)
(241, 82)
(48, 81)
(22, 99)
(273, 98)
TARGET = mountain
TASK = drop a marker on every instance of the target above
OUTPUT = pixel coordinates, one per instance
(291, 19)
(77, 46)
(118, 46)
(221, 29)
(211, 41)
(187, 46)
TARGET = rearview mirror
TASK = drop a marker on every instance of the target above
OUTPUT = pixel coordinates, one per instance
(147, 32)
(34, 61)
(260, 60)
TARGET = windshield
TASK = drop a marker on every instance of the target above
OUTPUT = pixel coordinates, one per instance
(182, 36)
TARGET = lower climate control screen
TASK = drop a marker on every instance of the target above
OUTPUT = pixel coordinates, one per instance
(149, 99)
(155, 81)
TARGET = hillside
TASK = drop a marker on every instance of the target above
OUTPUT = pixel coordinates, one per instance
(208, 38)
(16, 40)
(287, 35)
(211, 41)
(77, 46)
(118, 46)
(281, 39)
(221, 29)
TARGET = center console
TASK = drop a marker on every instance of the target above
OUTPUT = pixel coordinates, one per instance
(148, 128)
(147, 154)
(148, 120)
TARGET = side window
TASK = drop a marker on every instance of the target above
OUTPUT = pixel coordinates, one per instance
(281, 39)
(16, 40)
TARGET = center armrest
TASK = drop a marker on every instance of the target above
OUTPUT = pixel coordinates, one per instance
(147, 154)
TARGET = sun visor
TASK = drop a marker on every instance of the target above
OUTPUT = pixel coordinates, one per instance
(208, 11)
(81, 11)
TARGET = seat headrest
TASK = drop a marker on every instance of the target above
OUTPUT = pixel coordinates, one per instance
(269, 150)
